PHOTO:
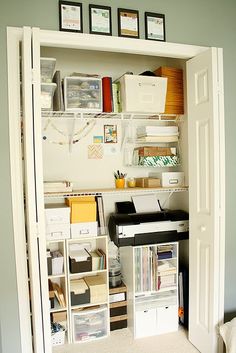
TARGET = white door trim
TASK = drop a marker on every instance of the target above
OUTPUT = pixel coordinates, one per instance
(118, 44)
(14, 37)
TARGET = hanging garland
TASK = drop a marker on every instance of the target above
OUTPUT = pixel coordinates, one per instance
(77, 136)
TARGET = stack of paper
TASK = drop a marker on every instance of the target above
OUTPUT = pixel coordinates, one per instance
(157, 133)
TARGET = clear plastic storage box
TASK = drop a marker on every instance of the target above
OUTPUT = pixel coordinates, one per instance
(47, 67)
(90, 324)
(83, 94)
(47, 92)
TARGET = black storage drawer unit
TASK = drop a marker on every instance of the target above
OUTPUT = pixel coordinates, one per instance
(118, 307)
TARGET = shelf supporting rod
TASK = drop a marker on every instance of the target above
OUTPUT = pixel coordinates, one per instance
(72, 135)
(167, 199)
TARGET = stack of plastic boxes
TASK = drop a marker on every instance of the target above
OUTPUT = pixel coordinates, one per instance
(47, 67)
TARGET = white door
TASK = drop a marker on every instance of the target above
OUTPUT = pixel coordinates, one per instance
(206, 200)
(30, 195)
(34, 196)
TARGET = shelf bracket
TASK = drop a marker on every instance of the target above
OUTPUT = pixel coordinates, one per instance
(72, 135)
(167, 199)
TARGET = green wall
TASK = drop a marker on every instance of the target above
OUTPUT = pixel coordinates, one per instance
(207, 23)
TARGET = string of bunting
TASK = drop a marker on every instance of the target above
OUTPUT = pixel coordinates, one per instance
(77, 136)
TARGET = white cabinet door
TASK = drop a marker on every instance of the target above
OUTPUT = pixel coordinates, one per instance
(145, 323)
(167, 319)
(206, 194)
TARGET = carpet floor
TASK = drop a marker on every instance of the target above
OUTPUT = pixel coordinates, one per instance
(121, 341)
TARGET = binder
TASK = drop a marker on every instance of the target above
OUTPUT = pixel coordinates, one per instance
(107, 94)
(58, 102)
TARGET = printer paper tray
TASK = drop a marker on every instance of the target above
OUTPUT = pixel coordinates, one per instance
(159, 237)
(153, 238)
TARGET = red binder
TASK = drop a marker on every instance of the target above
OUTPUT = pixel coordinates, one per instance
(107, 94)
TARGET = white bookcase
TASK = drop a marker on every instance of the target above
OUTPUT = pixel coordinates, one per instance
(151, 275)
(97, 305)
(57, 274)
(79, 315)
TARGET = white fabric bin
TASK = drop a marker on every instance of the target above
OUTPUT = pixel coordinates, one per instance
(143, 93)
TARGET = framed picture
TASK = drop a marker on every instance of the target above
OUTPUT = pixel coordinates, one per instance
(70, 16)
(155, 26)
(128, 23)
(100, 20)
(110, 133)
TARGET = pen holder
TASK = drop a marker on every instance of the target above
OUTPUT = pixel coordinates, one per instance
(120, 183)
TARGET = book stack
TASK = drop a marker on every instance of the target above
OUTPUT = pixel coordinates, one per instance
(166, 274)
(98, 259)
(146, 269)
(100, 215)
(165, 252)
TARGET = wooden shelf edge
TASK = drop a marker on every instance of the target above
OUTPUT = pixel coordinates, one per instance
(118, 318)
(118, 304)
(114, 190)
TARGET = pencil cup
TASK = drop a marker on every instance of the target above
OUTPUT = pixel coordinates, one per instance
(120, 183)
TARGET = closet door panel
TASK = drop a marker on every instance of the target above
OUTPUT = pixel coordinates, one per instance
(30, 194)
(206, 231)
(39, 189)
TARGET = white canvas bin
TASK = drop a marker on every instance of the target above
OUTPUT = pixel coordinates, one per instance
(143, 93)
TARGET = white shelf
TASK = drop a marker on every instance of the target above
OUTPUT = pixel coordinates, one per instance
(110, 116)
(73, 307)
(113, 191)
(56, 276)
(148, 293)
(57, 307)
(79, 274)
(74, 240)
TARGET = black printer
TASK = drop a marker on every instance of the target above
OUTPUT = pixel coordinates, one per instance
(148, 228)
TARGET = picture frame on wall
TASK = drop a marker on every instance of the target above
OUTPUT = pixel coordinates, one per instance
(128, 23)
(155, 26)
(100, 20)
(110, 133)
(70, 16)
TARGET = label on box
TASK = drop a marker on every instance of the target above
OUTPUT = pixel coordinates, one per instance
(84, 230)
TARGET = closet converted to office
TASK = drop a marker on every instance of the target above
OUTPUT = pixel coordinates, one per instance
(84, 146)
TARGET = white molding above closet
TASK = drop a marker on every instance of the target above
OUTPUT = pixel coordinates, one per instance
(119, 44)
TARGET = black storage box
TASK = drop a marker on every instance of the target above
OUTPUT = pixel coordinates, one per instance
(80, 266)
(82, 298)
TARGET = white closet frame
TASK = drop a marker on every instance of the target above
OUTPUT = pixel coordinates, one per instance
(99, 43)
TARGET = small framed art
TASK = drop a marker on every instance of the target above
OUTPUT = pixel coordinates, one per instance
(155, 26)
(70, 16)
(100, 19)
(110, 133)
(128, 23)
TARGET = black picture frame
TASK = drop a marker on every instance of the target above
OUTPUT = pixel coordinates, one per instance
(105, 24)
(66, 21)
(155, 26)
(125, 29)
